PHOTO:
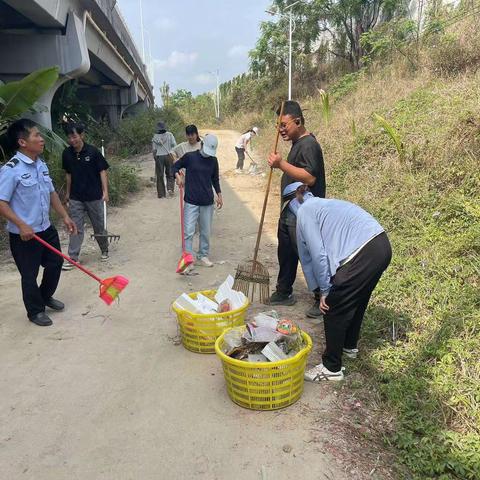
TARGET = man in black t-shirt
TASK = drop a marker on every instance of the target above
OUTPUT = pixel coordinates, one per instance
(87, 189)
(304, 164)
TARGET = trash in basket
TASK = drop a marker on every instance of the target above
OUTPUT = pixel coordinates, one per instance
(202, 319)
(273, 338)
(262, 385)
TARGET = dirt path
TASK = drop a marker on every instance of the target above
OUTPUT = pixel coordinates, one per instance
(107, 394)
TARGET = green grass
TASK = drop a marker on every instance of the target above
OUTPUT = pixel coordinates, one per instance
(429, 374)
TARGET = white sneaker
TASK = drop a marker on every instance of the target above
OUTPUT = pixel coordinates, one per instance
(238, 171)
(320, 373)
(104, 257)
(205, 261)
(67, 266)
(350, 352)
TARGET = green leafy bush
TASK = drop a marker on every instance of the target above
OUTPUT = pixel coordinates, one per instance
(123, 180)
(345, 85)
(454, 52)
(134, 134)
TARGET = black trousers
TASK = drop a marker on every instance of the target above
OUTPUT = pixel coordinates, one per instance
(164, 168)
(287, 252)
(29, 256)
(352, 287)
(241, 157)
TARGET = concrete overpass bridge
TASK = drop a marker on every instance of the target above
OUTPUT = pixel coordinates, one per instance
(88, 40)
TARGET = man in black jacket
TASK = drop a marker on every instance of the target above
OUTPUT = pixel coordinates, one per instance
(303, 164)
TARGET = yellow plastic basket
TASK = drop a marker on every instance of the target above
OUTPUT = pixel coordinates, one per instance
(264, 385)
(200, 331)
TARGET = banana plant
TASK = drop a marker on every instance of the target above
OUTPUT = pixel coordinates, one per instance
(391, 132)
(21, 96)
(326, 109)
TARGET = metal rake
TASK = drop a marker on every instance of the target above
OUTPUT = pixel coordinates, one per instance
(111, 238)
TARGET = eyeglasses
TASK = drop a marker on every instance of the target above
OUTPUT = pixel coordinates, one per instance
(285, 125)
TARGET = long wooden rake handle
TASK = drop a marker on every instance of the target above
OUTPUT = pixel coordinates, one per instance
(267, 193)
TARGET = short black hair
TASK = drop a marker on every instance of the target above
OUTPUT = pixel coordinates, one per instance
(72, 128)
(19, 129)
(292, 108)
(191, 129)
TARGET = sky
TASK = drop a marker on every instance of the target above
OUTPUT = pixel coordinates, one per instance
(190, 39)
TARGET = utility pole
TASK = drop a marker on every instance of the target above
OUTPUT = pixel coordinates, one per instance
(291, 28)
(218, 94)
(290, 54)
(216, 98)
(150, 65)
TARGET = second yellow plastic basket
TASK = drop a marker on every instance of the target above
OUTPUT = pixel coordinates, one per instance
(200, 331)
(264, 385)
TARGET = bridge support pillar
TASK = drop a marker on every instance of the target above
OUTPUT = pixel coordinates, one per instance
(109, 102)
(22, 54)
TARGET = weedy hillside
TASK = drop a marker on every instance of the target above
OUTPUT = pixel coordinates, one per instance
(404, 143)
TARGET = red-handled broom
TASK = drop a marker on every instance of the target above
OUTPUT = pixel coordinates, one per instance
(110, 288)
(187, 258)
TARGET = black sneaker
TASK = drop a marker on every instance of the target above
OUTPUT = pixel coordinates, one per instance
(41, 319)
(314, 310)
(54, 304)
(279, 298)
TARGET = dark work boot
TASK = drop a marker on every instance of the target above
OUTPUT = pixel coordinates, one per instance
(279, 298)
(54, 304)
(41, 319)
(314, 310)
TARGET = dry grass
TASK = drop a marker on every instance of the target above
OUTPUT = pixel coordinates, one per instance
(429, 376)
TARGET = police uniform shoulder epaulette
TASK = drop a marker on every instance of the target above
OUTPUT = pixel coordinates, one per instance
(12, 162)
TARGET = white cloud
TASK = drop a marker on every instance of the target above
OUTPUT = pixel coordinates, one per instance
(238, 51)
(203, 79)
(177, 59)
(165, 24)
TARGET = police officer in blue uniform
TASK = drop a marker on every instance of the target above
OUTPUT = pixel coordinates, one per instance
(26, 193)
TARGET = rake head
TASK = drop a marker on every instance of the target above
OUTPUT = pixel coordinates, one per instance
(252, 277)
(110, 238)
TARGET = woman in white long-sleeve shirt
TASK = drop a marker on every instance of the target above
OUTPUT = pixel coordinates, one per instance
(242, 145)
(344, 252)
